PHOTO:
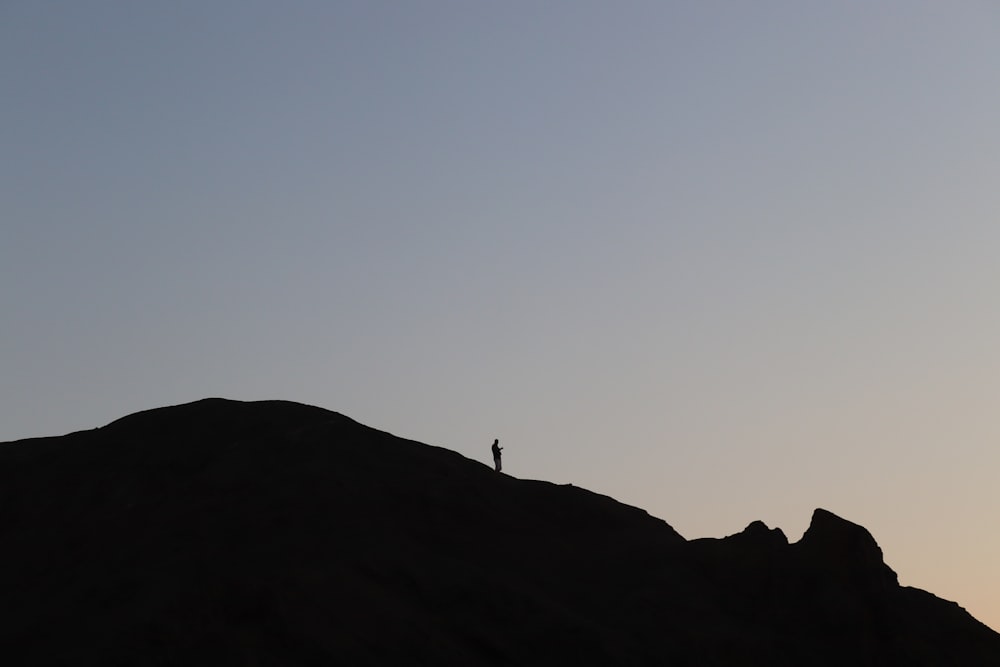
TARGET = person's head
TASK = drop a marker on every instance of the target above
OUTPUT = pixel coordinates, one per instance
(496, 441)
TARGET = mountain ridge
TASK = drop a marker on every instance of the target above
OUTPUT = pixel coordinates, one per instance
(278, 533)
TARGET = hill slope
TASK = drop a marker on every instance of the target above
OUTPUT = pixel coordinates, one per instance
(273, 533)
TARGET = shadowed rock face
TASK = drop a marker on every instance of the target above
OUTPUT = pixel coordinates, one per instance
(273, 533)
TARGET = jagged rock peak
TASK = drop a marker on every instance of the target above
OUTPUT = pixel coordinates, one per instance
(828, 529)
(841, 544)
(759, 532)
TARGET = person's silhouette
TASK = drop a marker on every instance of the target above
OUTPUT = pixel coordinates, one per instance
(496, 454)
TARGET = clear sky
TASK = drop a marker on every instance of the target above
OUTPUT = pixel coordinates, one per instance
(724, 261)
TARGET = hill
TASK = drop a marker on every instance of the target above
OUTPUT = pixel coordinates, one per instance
(273, 533)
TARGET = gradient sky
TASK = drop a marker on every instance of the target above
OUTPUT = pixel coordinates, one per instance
(724, 261)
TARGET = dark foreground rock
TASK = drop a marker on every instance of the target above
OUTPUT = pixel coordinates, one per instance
(273, 533)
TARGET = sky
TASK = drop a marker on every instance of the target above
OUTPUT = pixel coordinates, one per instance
(724, 261)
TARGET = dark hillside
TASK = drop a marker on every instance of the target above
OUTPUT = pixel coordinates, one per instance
(273, 533)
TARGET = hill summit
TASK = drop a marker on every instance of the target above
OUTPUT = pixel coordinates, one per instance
(273, 533)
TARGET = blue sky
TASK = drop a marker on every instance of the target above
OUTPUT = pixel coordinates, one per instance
(719, 260)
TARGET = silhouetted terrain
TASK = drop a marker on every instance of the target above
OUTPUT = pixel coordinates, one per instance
(273, 533)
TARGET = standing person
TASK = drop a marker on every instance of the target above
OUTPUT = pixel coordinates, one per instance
(496, 453)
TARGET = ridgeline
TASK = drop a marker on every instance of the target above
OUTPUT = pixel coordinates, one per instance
(273, 533)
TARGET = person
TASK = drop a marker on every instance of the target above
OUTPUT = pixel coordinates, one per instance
(496, 453)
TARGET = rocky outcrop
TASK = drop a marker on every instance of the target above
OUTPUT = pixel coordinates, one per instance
(840, 548)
